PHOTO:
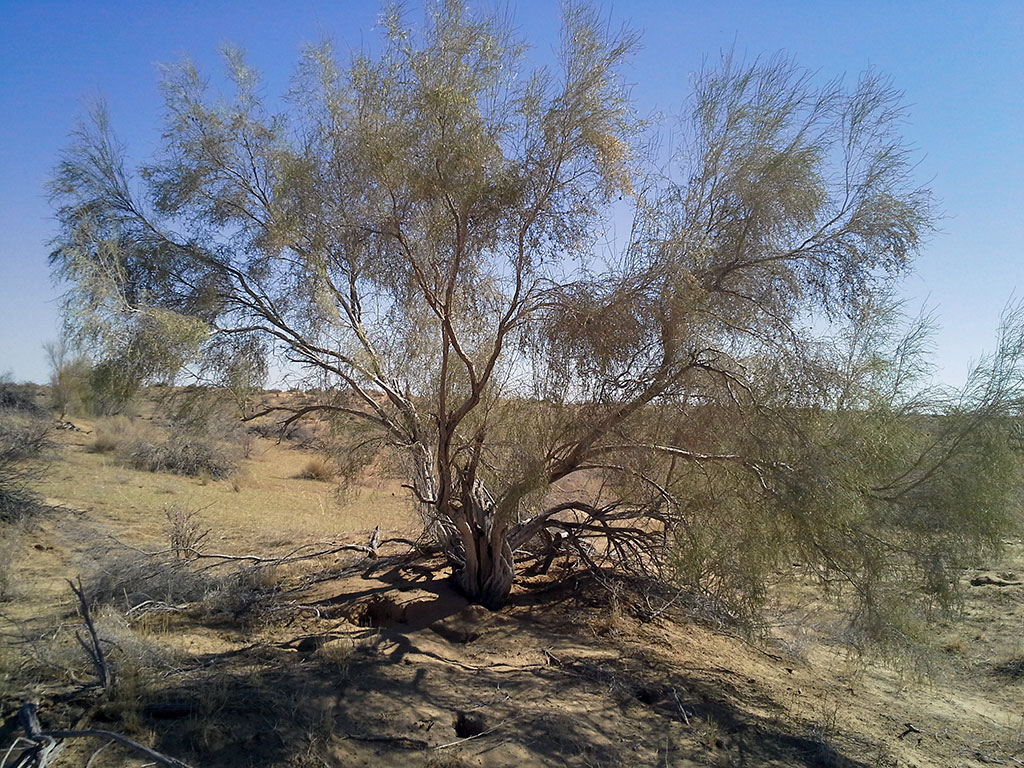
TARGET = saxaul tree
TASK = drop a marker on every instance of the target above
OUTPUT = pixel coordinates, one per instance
(425, 230)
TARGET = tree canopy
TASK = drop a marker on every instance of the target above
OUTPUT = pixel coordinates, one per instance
(707, 398)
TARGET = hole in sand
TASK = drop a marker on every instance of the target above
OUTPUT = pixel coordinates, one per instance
(378, 612)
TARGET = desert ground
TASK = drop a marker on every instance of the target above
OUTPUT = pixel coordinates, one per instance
(358, 658)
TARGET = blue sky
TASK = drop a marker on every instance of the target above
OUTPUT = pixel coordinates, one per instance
(960, 64)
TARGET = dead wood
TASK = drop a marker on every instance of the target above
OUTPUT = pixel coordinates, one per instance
(371, 549)
(980, 581)
(94, 647)
(42, 754)
(404, 742)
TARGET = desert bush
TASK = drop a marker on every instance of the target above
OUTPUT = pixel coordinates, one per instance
(112, 432)
(70, 374)
(727, 374)
(24, 437)
(18, 397)
(8, 556)
(180, 453)
(318, 468)
(134, 581)
(184, 530)
(112, 385)
(104, 442)
(130, 579)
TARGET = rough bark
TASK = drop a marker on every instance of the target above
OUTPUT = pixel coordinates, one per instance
(482, 564)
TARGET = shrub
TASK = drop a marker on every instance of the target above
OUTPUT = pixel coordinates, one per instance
(23, 437)
(180, 454)
(133, 579)
(17, 397)
(112, 385)
(318, 468)
(8, 554)
(184, 530)
(104, 442)
(70, 374)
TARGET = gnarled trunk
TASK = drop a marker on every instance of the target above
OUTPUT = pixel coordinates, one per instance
(481, 557)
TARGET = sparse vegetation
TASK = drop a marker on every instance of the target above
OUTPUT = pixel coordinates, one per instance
(9, 546)
(25, 438)
(181, 452)
(185, 530)
(70, 374)
(210, 655)
(18, 399)
(628, 456)
(106, 441)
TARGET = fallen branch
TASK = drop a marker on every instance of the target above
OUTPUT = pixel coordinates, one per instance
(371, 549)
(30, 722)
(97, 753)
(910, 728)
(155, 606)
(403, 741)
(981, 581)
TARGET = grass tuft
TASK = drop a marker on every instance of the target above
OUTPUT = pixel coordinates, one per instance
(318, 468)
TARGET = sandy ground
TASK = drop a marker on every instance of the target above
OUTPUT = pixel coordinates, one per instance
(349, 661)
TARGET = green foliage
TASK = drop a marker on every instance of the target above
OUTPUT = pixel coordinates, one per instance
(883, 502)
(70, 386)
(112, 385)
(70, 371)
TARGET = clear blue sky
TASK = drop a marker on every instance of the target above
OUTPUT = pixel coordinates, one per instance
(961, 65)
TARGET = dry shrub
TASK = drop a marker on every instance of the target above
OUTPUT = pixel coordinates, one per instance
(138, 583)
(19, 397)
(318, 468)
(8, 557)
(104, 442)
(111, 433)
(185, 531)
(180, 453)
(1011, 668)
(24, 437)
(133, 578)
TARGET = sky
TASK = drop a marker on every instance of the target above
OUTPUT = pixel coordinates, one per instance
(959, 64)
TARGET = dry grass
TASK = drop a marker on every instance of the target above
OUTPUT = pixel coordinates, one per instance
(181, 454)
(264, 505)
(9, 546)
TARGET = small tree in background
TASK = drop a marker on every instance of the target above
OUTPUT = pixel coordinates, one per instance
(423, 232)
(70, 374)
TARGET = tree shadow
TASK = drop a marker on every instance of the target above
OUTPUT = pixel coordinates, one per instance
(405, 692)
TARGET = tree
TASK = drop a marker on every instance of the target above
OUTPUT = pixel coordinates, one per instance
(424, 231)
(69, 377)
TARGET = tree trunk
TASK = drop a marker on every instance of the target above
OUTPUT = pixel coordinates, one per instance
(482, 566)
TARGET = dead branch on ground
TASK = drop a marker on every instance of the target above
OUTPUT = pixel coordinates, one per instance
(371, 549)
(46, 743)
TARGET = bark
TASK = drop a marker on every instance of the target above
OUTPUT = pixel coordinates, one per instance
(482, 565)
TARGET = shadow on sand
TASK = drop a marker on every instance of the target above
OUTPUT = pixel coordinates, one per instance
(399, 670)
